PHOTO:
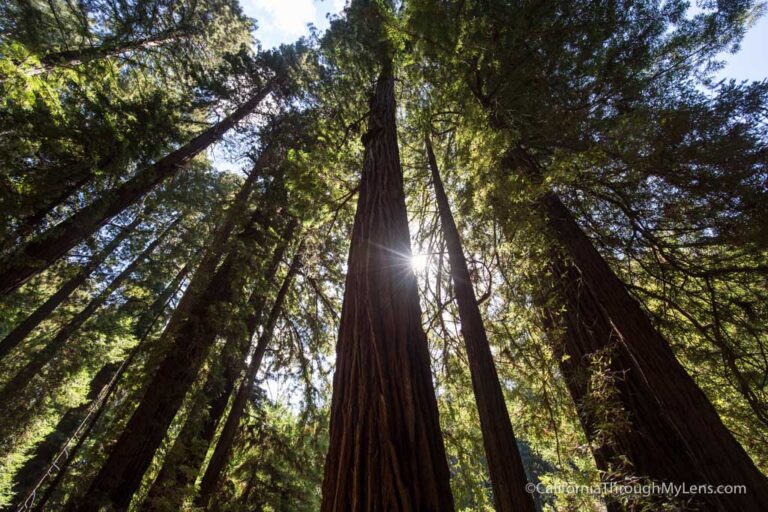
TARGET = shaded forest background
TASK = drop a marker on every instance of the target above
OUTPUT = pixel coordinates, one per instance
(451, 221)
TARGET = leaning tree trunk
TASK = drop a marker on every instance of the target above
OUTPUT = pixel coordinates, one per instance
(21, 331)
(38, 254)
(11, 390)
(190, 341)
(386, 450)
(45, 451)
(142, 330)
(29, 223)
(672, 432)
(505, 465)
(79, 56)
(191, 446)
(224, 445)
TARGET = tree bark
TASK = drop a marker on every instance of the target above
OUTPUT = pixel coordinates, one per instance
(505, 464)
(191, 446)
(190, 341)
(143, 329)
(21, 331)
(220, 455)
(20, 381)
(36, 255)
(673, 434)
(386, 450)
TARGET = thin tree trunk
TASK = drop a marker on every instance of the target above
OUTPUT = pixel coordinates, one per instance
(29, 473)
(386, 450)
(14, 386)
(190, 342)
(143, 329)
(191, 446)
(673, 433)
(220, 455)
(70, 58)
(505, 464)
(36, 255)
(21, 331)
(29, 223)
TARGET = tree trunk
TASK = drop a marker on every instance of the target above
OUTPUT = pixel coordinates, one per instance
(223, 446)
(672, 431)
(108, 49)
(30, 222)
(191, 446)
(44, 452)
(14, 386)
(190, 342)
(21, 331)
(386, 450)
(505, 465)
(142, 331)
(36, 255)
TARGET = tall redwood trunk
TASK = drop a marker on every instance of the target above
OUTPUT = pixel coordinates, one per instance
(190, 341)
(504, 462)
(40, 359)
(191, 446)
(143, 329)
(386, 450)
(36, 255)
(673, 434)
(21, 331)
(224, 445)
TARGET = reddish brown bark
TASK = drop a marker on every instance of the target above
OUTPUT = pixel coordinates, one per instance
(505, 465)
(21, 331)
(191, 446)
(386, 450)
(190, 341)
(674, 434)
(220, 455)
(39, 253)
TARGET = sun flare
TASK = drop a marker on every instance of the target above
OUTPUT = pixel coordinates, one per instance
(419, 262)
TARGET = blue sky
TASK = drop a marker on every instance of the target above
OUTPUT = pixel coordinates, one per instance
(284, 21)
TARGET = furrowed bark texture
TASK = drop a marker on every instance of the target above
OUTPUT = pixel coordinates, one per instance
(14, 386)
(220, 455)
(191, 446)
(38, 254)
(143, 329)
(505, 465)
(675, 434)
(190, 342)
(386, 450)
(21, 331)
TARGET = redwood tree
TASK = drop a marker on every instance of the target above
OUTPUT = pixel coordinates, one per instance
(386, 450)
(35, 256)
(673, 434)
(504, 462)
(220, 455)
